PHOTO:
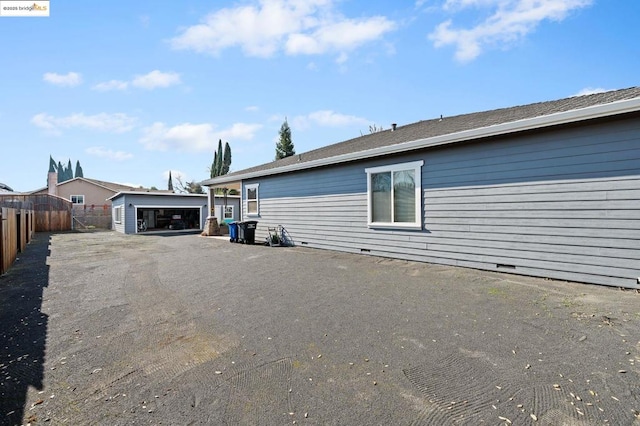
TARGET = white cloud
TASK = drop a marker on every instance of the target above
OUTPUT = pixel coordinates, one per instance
(590, 91)
(111, 85)
(510, 20)
(295, 27)
(70, 79)
(156, 79)
(193, 137)
(345, 35)
(342, 58)
(114, 123)
(252, 108)
(109, 154)
(239, 131)
(149, 81)
(327, 118)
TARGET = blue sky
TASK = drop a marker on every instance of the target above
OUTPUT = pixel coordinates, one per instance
(135, 89)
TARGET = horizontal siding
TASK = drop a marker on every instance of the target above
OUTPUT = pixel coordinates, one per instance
(563, 205)
(578, 153)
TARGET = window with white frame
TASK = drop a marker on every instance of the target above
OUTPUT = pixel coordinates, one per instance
(228, 212)
(77, 199)
(117, 214)
(394, 195)
(251, 194)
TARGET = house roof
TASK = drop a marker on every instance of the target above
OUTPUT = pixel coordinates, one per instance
(111, 186)
(449, 130)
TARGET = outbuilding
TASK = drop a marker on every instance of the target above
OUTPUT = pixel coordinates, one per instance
(159, 211)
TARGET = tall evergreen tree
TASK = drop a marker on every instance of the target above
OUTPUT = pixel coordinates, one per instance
(212, 170)
(60, 172)
(226, 160)
(79, 172)
(68, 171)
(219, 159)
(52, 165)
(170, 184)
(284, 146)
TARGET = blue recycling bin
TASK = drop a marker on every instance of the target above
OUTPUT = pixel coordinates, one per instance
(233, 232)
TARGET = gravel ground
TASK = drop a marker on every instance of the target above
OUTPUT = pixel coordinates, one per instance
(103, 328)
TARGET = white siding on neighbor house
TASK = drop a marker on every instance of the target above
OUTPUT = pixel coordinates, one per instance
(562, 204)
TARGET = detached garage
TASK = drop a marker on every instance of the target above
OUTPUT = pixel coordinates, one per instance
(158, 211)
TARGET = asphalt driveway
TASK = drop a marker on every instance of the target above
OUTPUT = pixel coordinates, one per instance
(103, 328)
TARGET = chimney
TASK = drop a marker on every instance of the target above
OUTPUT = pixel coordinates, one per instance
(393, 127)
(52, 183)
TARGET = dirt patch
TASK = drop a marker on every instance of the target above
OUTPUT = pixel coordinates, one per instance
(103, 328)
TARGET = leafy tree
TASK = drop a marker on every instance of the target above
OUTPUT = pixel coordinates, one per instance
(194, 188)
(170, 183)
(79, 172)
(189, 187)
(284, 146)
(226, 159)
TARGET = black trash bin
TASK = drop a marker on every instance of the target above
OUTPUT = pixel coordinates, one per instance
(247, 231)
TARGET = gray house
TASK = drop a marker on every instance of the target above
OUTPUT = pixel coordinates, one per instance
(550, 189)
(167, 211)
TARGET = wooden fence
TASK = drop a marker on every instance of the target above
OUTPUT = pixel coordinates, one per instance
(52, 213)
(17, 227)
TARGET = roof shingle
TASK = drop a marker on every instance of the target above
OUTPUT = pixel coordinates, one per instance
(448, 125)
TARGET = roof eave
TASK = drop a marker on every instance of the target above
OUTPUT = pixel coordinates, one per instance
(164, 194)
(550, 120)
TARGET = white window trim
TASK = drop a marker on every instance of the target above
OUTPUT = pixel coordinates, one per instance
(224, 212)
(417, 167)
(246, 194)
(116, 208)
(79, 195)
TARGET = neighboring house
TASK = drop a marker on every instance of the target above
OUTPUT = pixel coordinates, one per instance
(166, 211)
(83, 191)
(550, 189)
(89, 197)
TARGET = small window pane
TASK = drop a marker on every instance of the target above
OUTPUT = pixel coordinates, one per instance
(404, 196)
(252, 193)
(252, 207)
(381, 197)
(228, 212)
